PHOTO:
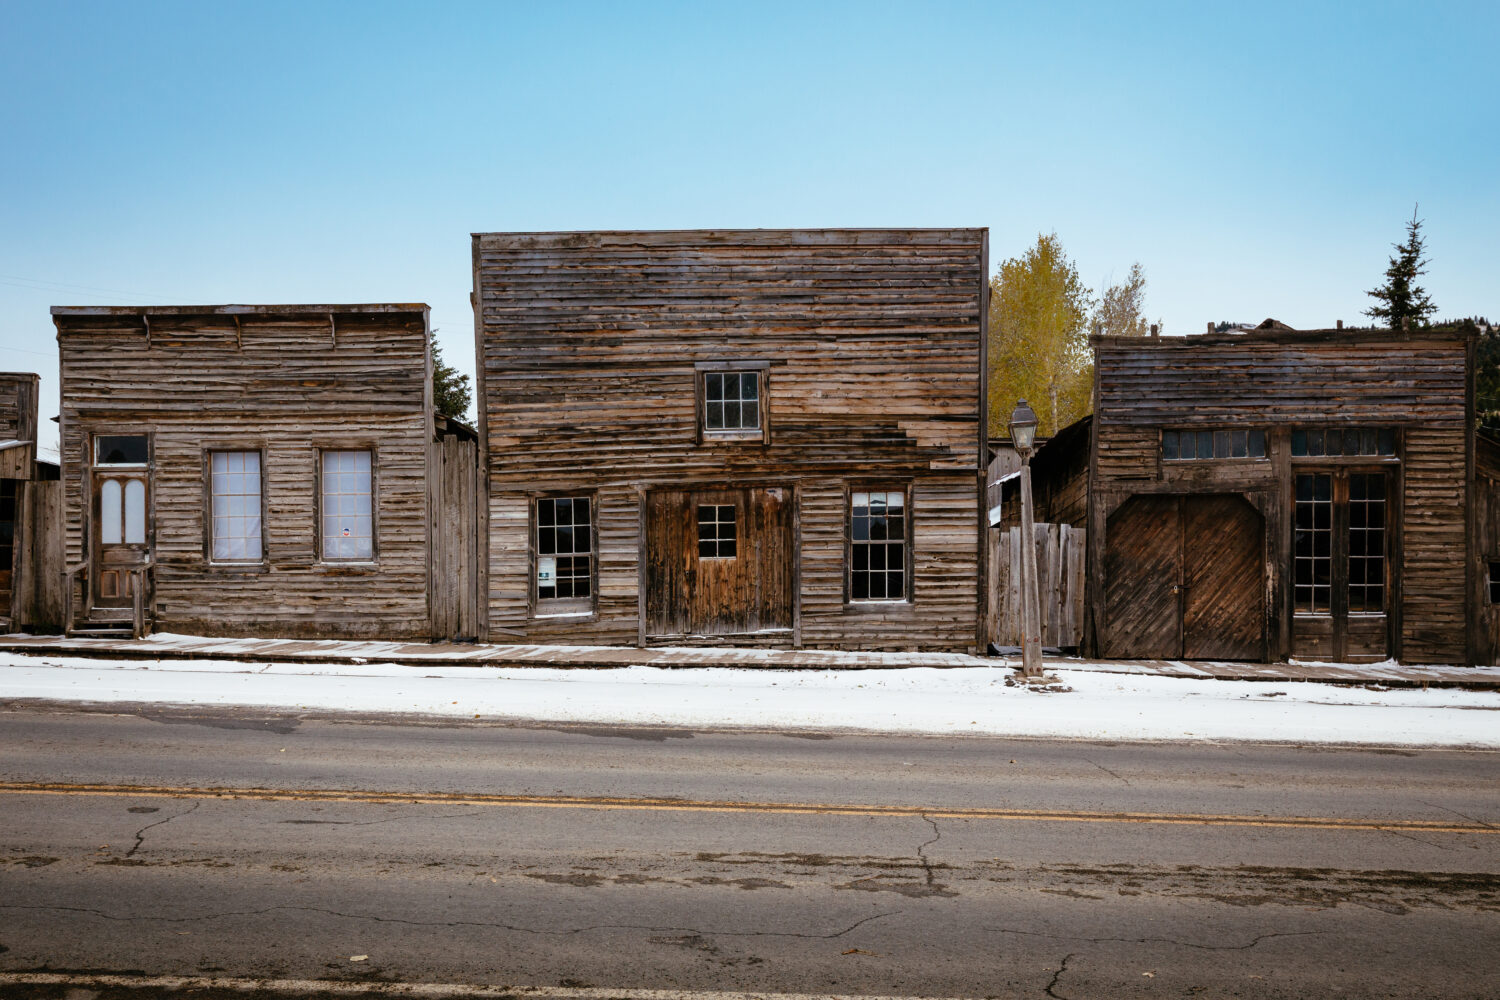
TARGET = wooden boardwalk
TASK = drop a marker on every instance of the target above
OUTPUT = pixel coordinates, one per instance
(333, 651)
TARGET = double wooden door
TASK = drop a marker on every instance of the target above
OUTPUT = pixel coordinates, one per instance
(1184, 577)
(718, 562)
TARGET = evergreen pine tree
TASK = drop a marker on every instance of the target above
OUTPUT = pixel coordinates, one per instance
(450, 387)
(1401, 298)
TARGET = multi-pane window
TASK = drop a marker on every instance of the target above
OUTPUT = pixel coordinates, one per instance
(731, 401)
(877, 546)
(716, 531)
(564, 548)
(1183, 445)
(234, 486)
(1494, 581)
(1335, 442)
(1367, 542)
(348, 520)
(1313, 555)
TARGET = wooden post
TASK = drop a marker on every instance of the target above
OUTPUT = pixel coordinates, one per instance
(1031, 624)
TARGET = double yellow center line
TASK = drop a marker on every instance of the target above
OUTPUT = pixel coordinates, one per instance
(610, 803)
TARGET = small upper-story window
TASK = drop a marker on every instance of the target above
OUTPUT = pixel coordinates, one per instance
(348, 511)
(121, 449)
(1338, 442)
(1185, 445)
(732, 400)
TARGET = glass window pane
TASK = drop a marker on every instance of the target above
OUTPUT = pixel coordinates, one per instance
(1221, 444)
(120, 449)
(1205, 444)
(109, 512)
(1169, 449)
(135, 512)
(715, 387)
(1299, 443)
(1386, 441)
(731, 415)
(1351, 441)
(714, 418)
(750, 385)
(1237, 444)
(1257, 445)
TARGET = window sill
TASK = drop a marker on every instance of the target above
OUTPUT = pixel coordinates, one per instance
(236, 567)
(554, 615)
(876, 606)
(734, 437)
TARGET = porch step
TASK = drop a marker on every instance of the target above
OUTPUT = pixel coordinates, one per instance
(102, 630)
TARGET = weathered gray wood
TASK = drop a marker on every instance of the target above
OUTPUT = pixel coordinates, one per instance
(262, 378)
(590, 347)
(1060, 550)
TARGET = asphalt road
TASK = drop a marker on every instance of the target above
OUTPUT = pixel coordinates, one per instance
(281, 856)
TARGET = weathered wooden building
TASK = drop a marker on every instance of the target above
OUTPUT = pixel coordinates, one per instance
(1276, 493)
(747, 437)
(30, 513)
(259, 470)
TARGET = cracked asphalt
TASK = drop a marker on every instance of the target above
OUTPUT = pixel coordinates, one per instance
(596, 859)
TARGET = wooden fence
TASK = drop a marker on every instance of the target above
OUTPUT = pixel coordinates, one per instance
(1060, 575)
(453, 533)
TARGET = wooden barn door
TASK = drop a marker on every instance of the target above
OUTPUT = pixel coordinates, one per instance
(1185, 577)
(718, 562)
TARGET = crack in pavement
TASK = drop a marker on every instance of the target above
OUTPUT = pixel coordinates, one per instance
(140, 835)
(1107, 771)
(1419, 840)
(1058, 975)
(1161, 940)
(456, 923)
(1455, 812)
(937, 835)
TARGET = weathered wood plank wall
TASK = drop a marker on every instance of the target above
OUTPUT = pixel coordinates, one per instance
(453, 527)
(1060, 552)
(287, 381)
(586, 349)
(38, 586)
(1416, 383)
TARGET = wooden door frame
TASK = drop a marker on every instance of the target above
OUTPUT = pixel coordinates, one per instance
(1339, 472)
(643, 495)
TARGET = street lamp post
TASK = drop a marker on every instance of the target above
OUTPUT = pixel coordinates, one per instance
(1023, 435)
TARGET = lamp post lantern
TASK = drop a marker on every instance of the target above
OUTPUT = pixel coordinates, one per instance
(1023, 436)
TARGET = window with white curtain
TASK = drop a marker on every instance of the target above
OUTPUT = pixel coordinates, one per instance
(122, 512)
(348, 518)
(235, 485)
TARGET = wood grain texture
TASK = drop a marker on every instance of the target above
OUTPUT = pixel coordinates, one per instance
(287, 382)
(589, 347)
(1416, 383)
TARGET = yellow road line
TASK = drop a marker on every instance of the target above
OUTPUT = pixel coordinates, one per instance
(609, 803)
(437, 991)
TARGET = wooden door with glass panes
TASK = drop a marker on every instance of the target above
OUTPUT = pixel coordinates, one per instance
(120, 512)
(718, 562)
(1341, 569)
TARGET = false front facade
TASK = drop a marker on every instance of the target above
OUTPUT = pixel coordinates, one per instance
(744, 437)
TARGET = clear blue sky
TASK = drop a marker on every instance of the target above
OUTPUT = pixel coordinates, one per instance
(1257, 159)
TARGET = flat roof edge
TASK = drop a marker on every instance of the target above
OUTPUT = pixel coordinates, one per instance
(367, 308)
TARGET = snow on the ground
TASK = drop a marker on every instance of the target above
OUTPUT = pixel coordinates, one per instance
(914, 700)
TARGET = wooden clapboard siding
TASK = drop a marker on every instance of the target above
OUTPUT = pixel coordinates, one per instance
(287, 381)
(1414, 382)
(18, 422)
(586, 348)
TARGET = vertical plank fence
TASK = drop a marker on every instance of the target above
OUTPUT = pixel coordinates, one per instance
(1060, 578)
(453, 533)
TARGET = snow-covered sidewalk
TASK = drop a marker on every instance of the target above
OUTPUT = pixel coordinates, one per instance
(974, 700)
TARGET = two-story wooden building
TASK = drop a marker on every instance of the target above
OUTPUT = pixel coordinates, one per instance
(1276, 493)
(254, 470)
(747, 437)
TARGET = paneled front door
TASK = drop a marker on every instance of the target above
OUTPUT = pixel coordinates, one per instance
(718, 562)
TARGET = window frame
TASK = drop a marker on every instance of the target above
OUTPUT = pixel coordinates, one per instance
(908, 597)
(208, 506)
(1161, 445)
(745, 435)
(562, 607)
(718, 540)
(1394, 458)
(96, 437)
(323, 558)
